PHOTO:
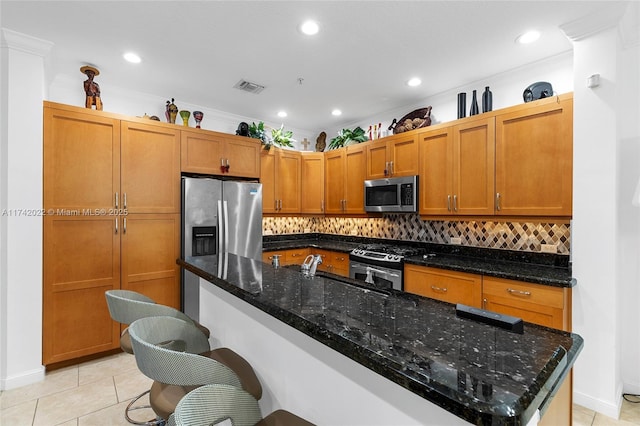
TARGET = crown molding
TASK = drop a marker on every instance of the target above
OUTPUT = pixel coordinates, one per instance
(25, 43)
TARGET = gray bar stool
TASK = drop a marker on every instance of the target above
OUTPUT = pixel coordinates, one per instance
(177, 356)
(211, 404)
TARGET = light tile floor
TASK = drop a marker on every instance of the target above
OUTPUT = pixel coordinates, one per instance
(96, 393)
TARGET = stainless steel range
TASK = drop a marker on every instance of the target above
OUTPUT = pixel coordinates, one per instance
(380, 265)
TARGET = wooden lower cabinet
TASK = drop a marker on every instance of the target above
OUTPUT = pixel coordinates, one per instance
(150, 246)
(81, 262)
(334, 262)
(287, 257)
(536, 303)
(444, 285)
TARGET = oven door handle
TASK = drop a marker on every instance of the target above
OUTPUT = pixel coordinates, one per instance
(370, 270)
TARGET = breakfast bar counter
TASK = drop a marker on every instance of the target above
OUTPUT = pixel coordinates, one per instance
(476, 372)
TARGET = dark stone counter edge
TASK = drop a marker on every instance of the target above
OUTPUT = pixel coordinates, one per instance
(554, 276)
(539, 395)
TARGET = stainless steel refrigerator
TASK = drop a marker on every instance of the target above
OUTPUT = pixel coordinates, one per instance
(218, 217)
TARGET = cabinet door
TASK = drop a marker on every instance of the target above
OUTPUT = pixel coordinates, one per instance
(201, 152)
(334, 166)
(534, 157)
(377, 159)
(354, 179)
(150, 168)
(539, 304)
(244, 156)
(402, 152)
(474, 167)
(81, 160)
(436, 171)
(81, 261)
(441, 284)
(267, 178)
(288, 180)
(150, 247)
(312, 197)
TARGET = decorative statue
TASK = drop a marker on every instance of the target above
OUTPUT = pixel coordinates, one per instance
(172, 112)
(91, 88)
(321, 142)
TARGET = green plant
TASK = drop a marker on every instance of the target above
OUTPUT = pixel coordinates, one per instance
(347, 137)
(257, 131)
(282, 137)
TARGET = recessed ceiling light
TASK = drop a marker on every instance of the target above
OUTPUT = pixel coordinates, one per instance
(282, 114)
(414, 82)
(528, 37)
(336, 112)
(132, 57)
(309, 28)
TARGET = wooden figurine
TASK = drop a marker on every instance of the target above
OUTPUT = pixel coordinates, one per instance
(91, 88)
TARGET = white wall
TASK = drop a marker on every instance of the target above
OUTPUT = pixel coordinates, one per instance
(22, 86)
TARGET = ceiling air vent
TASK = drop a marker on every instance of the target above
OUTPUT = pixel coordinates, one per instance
(248, 86)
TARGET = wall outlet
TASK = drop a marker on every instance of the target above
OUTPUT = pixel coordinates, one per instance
(354, 232)
(268, 232)
(456, 240)
(307, 230)
(549, 248)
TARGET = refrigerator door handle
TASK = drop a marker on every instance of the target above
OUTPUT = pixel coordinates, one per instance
(226, 226)
(220, 229)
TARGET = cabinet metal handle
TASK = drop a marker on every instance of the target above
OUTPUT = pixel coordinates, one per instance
(322, 205)
(448, 202)
(116, 199)
(497, 201)
(519, 292)
(455, 203)
(340, 259)
(124, 200)
(391, 168)
(440, 289)
(124, 225)
(386, 168)
(484, 303)
(116, 225)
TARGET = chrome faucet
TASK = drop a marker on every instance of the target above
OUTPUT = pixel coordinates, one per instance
(310, 265)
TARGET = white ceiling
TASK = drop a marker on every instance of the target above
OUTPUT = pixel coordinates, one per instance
(359, 62)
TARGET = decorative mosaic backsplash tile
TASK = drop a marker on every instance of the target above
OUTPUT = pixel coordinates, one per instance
(500, 235)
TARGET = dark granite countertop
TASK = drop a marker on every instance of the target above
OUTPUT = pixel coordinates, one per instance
(539, 268)
(480, 373)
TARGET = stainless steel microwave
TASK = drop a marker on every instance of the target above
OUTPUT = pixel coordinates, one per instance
(391, 195)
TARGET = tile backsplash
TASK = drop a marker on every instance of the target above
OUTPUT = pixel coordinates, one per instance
(521, 236)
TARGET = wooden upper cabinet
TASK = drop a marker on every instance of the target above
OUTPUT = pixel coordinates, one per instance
(354, 176)
(81, 159)
(334, 168)
(209, 153)
(281, 178)
(474, 167)
(457, 167)
(150, 170)
(392, 156)
(534, 158)
(312, 185)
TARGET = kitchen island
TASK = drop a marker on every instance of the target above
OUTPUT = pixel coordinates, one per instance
(326, 347)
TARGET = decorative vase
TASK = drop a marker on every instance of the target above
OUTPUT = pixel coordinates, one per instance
(171, 111)
(487, 100)
(185, 117)
(474, 104)
(462, 105)
(197, 115)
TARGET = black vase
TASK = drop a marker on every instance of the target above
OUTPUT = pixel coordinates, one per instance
(462, 105)
(474, 104)
(487, 100)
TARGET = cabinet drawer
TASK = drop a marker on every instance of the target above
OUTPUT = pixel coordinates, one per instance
(527, 292)
(296, 256)
(440, 284)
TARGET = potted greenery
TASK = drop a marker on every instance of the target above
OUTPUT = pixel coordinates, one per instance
(282, 137)
(347, 137)
(256, 131)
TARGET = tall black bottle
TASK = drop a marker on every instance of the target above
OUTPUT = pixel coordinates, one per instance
(474, 104)
(487, 100)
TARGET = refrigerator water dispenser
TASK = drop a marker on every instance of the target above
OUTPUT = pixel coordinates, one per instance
(204, 240)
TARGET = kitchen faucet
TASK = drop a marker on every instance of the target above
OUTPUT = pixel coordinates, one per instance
(310, 265)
